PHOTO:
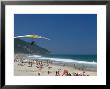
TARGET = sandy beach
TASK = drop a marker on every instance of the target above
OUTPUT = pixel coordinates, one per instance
(25, 66)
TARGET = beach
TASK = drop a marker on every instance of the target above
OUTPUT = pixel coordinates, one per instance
(27, 66)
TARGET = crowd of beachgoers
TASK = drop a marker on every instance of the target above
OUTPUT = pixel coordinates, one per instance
(26, 66)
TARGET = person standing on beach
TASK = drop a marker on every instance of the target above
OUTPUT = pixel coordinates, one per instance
(30, 63)
(57, 73)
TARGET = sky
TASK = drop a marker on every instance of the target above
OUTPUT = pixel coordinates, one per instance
(69, 33)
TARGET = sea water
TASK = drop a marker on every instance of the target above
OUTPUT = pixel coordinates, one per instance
(87, 59)
(90, 61)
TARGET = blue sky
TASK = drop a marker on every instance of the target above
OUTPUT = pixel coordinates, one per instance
(69, 33)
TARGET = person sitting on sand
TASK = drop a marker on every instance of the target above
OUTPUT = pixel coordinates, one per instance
(36, 62)
(49, 67)
(40, 62)
(65, 72)
(37, 66)
(76, 74)
(80, 74)
(69, 74)
(15, 60)
(83, 73)
(38, 74)
(40, 67)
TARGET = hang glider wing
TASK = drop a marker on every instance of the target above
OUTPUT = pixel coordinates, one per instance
(19, 37)
(45, 38)
(32, 36)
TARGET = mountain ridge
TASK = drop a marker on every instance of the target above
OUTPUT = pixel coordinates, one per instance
(21, 46)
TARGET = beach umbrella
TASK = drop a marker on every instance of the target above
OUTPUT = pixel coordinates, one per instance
(33, 37)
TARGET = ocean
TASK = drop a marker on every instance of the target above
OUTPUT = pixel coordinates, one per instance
(83, 59)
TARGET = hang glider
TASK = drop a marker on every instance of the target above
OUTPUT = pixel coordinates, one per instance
(32, 37)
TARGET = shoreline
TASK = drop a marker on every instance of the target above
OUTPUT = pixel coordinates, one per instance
(26, 66)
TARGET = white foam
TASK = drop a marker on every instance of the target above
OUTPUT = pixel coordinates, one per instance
(35, 56)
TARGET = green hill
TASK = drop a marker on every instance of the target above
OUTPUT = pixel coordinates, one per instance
(21, 46)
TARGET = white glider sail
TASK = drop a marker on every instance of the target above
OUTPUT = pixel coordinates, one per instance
(32, 36)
